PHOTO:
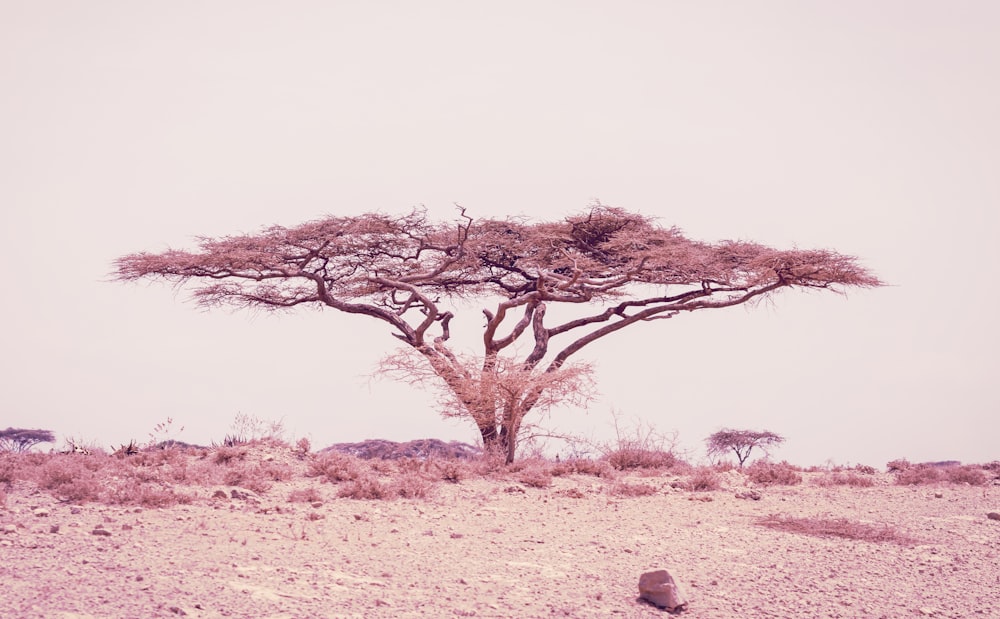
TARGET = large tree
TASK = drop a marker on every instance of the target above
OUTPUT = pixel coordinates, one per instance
(615, 269)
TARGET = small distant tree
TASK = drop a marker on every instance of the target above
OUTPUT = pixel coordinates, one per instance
(20, 440)
(550, 288)
(740, 442)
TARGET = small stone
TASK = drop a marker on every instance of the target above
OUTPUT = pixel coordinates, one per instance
(41, 512)
(993, 516)
(74, 510)
(177, 611)
(220, 494)
(54, 528)
(938, 495)
(317, 504)
(9, 528)
(101, 532)
(658, 588)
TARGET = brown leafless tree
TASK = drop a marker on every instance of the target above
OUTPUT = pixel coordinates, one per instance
(613, 267)
(740, 442)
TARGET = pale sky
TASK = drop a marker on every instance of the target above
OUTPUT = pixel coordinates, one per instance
(867, 127)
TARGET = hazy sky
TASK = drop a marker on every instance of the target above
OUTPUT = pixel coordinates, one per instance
(867, 127)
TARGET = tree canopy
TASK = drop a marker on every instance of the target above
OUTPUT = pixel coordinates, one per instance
(740, 442)
(619, 268)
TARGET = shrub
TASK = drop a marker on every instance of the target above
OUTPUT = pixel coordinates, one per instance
(227, 453)
(703, 479)
(864, 469)
(922, 474)
(452, 469)
(365, 487)
(535, 477)
(583, 466)
(835, 527)
(334, 467)
(412, 486)
(918, 475)
(846, 479)
(974, 476)
(773, 474)
(250, 477)
(69, 477)
(620, 488)
(894, 466)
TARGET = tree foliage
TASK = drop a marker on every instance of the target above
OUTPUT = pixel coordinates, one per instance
(615, 268)
(20, 440)
(740, 442)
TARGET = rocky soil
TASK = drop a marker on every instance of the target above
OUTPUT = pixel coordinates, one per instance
(498, 548)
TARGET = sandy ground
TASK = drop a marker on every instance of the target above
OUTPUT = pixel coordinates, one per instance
(494, 548)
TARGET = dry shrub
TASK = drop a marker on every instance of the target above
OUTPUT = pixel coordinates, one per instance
(227, 454)
(9, 468)
(365, 487)
(923, 474)
(703, 479)
(864, 469)
(636, 458)
(901, 464)
(972, 475)
(251, 477)
(584, 466)
(773, 474)
(71, 476)
(835, 527)
(621, 488)
(305, 495)
(412, 486)
(535, 477)
(845, 479)
(452, 469)
(135, 492)
(335, 467)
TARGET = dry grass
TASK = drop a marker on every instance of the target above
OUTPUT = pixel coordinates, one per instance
(835, 527)
(845, 479)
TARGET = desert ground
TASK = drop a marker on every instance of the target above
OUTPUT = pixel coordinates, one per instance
(198, 534)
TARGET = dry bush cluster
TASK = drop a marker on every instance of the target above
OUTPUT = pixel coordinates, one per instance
(849, 478)
(773, 474)
(921, 474)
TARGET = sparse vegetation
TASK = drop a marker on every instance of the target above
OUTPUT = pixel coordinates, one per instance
(703, 479)
(849, 478)
(929, 473)
(773, 474)
(835, 527)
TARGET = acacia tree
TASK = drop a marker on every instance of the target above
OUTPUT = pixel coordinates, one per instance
(614, 267)
(740, 442)
(21, 439)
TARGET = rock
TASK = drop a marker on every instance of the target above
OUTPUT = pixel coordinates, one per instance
(658, 588)
(41, 512)
(54, 528)
(220, 494)
(748, 494)
(103, 532)
(993, 516)
(938, 495)
(9, 528)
